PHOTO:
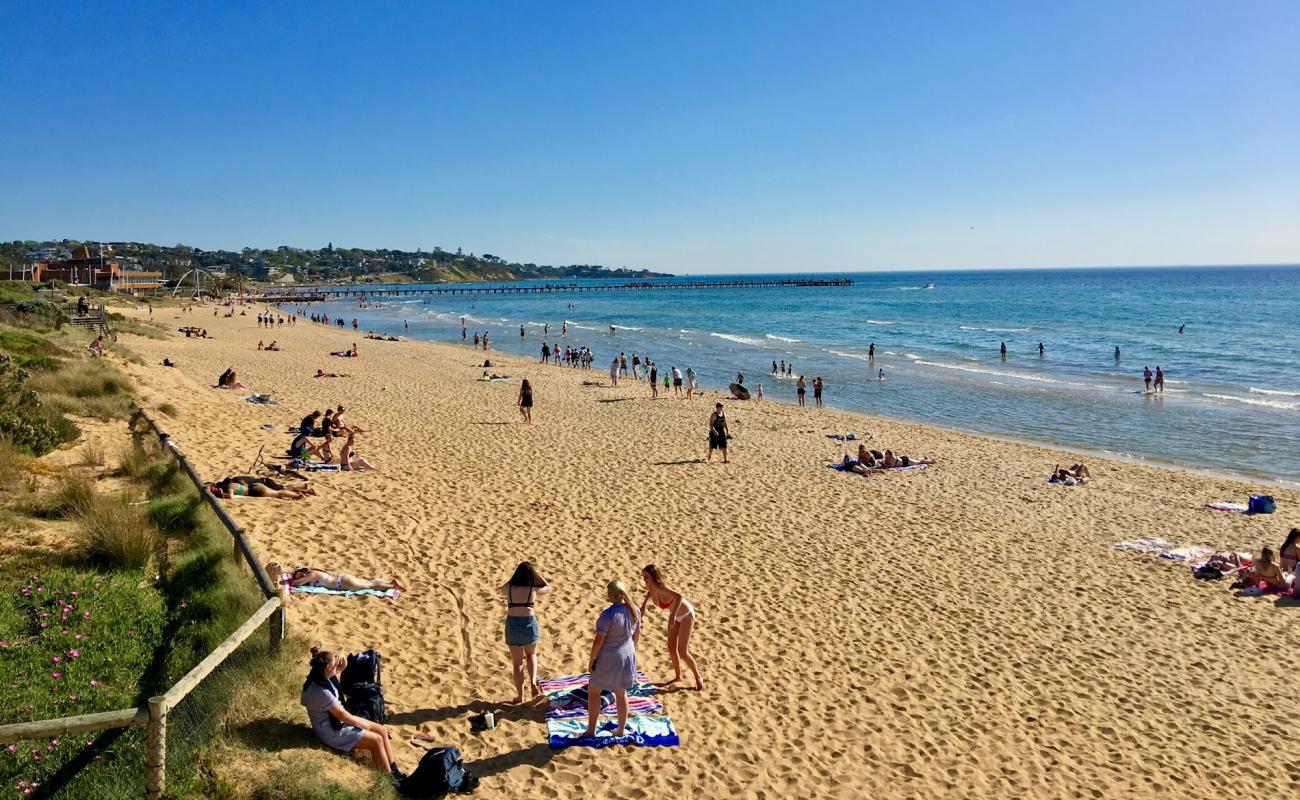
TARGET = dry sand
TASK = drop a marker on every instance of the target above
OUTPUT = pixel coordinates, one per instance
(963, 632)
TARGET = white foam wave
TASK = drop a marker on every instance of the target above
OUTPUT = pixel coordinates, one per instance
(1255, 402)
(1275, 392)
(1002, 374)
(628, 328)
(880, 322)
(841, 353)
(780, 338)
(738, 339)
(912, 356)
(996, 330)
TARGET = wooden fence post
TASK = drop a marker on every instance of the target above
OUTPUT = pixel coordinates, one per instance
(278, 624)
(155, 758)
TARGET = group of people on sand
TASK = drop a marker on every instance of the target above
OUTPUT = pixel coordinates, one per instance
(273, 346)
(571, 356)
(347, 353)
(1271, 573)
(327, 427)
(227, 380)
(869, 462)
(613, 661)
(192, 332)
(269, 320)
(258, 486)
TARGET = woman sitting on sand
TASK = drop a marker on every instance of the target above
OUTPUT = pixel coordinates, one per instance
(349, 460)
(1075, 474)
(319, 578)
(681, 621)
(522, 631)
(250, 486)
(613, 656)
(228, 380)
(1289, 555)
(1263, 571)
(333, 724)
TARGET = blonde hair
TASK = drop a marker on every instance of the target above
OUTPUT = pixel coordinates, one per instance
(617, 592)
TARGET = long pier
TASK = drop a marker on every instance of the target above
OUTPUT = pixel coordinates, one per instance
(309, 293)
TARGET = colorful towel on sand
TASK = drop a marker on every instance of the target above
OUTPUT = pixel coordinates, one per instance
(1233, 508)
(839, 467)
(261, 399)
(843, 437)
(387, 594)
(567, 683)
(640, 732)
(566, 706)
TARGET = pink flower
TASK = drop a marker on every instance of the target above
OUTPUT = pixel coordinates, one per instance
(72, 697)
(13, 748)
(44, 625)
(58, 675)
(94, 683)
(54, 743)
(85, 615)
(56, 659)
(74, 653)
(77, 637)
(74, 594)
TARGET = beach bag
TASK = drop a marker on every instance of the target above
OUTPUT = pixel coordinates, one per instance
(366, 700)
(363, 692)
(362, 668)
(440, 771)
(1261, 504)
(580, 695)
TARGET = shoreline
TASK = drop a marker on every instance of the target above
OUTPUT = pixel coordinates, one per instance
(901, 635)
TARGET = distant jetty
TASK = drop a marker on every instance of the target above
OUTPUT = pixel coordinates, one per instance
(310, 293)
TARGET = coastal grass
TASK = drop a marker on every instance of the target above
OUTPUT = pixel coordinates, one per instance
(169, 410)
(112, 531)
(87, 388)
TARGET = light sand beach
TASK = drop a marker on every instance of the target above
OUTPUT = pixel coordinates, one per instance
(966, 631)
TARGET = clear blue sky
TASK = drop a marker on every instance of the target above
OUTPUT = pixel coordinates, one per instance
(692, 137)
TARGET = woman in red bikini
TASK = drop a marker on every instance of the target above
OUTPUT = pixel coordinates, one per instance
(681, 621)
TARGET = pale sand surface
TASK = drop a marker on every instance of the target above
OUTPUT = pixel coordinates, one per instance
(963, 632)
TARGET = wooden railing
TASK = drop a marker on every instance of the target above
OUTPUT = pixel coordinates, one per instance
(154, 715)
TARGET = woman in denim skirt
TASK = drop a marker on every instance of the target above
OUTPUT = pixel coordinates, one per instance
(522, 631)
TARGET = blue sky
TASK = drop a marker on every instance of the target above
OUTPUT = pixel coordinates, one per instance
(701, 137)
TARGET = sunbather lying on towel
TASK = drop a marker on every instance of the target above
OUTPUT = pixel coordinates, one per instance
(340, 582)
(1077, 473)
(320, 373)
(253, 486)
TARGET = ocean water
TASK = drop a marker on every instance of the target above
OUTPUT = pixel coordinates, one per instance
(1232, 396)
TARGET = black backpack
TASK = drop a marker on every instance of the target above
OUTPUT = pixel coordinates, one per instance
(440, 771)
(363, 692)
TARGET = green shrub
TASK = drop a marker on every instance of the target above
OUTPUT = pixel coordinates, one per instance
(168, 409)
(40, 308)
(73, 495)
(112, 532)
(23, 418)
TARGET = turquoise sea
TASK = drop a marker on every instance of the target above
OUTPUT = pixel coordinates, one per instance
(1232, 396)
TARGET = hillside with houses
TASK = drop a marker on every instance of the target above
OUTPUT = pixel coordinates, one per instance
(136, 266)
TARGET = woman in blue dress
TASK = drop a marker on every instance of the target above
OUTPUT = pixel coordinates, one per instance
(333, 724)
(613, 656)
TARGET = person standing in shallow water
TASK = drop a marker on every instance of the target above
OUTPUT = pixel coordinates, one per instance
(1146, 377)
(1040, 349)
(817, 391)
(1003, 350)
(1160, 379)
(871, 351)
(718, 432)
(802, 389)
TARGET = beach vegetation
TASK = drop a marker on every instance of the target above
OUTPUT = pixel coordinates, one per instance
(168, 409)
(113, 531)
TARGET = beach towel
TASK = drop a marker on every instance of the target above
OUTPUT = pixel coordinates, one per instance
(1193, 553)
(1234, 508)
(843, 437)
(1070, 482)
(567, 683)
(839, 467)
(389, 594)
(640, 732)
(1149, 545)
(566, 706)
(261, 399)
(315, 466)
